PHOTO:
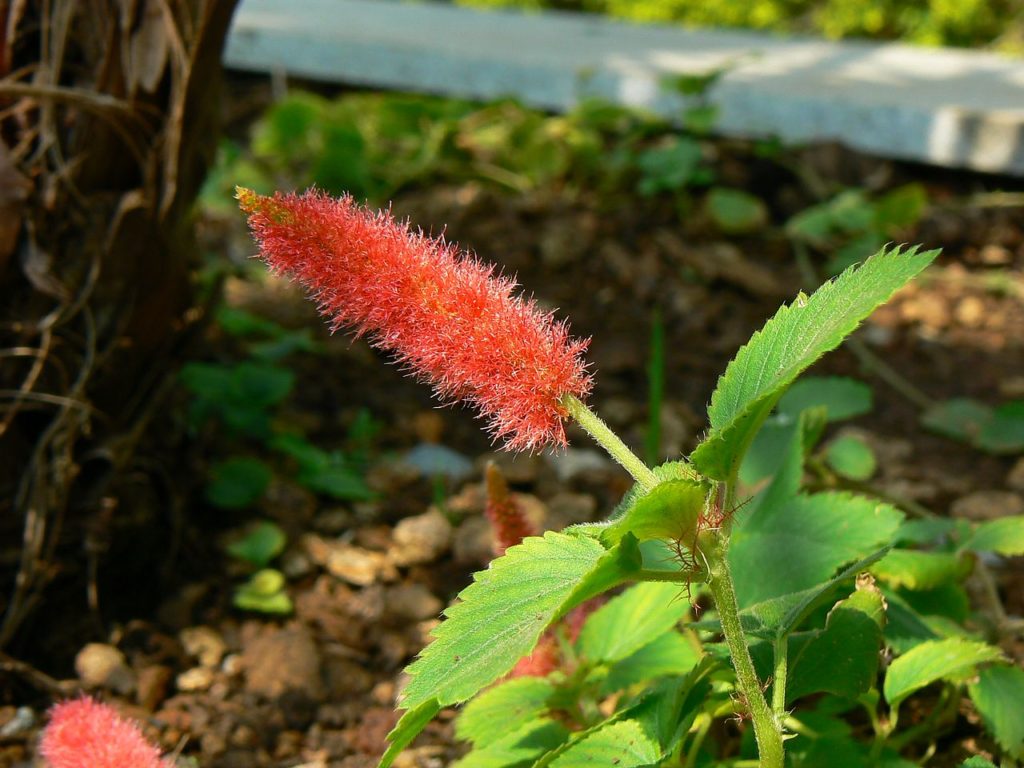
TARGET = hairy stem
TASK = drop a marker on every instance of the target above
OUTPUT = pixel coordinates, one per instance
(608, 440)
(767, 730)
(781, 649)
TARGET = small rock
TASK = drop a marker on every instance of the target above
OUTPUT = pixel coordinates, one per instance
(1015, 478)
(103, 666)
(195, 679)
(280, 660)
(929, 309)
(383, 693)
(24, 720)
(995, 255)
(988, 505)
(433, 460)
(295, 565)
(573, 462)
(970, 312)
(568, 509)
(421, 539)
(473, 543)
(203, 644)
(346, 678)
(232, 665)
(412, 602)
(357, 565)
(153, 684)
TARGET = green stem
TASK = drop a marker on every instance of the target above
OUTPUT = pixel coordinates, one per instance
(781, 648)
(676, 577)
(608, 440)
(767, 730)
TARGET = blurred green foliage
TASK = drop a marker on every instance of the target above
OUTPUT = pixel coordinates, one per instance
(994, 23)
(374, 145)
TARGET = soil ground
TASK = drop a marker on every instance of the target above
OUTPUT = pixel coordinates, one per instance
(368, 580)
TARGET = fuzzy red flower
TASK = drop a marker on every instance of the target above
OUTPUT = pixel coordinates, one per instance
(446, 316)
(83, 733)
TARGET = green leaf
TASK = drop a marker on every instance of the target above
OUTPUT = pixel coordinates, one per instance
(1005, 432)
(1005, 536)
(520, 748)
(261, 543)
(264, 592)
(670, 510)
(779, 616)
(669, 654)
(905, 628)
(735, 211)
(260, 385)
(920, 570)
(977, 762)
(925, 530)
(239, 322)
(842, 397)
(843, 657)
(998, 695)
(787, 542)
(934, 660)
(960, 418)
(629, 621)
(791, 341)
(851, 457)
(207, 380)
(900, 208)
(623, 745)
(237, 483)
(503, 709)
(408, 728)
(502, 614)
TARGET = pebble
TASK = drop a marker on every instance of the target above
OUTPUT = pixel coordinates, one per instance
(203, 644)
(473, 543)
(99, 665)
(421, 538)
(412, 602)
(573, 462)
(195, 679)
(433, 460)
(970, 312)
(988, 505)
(283, 659)
(24, 720)
(358, 566)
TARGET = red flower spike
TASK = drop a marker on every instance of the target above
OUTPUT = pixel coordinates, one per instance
(507, 519)
(446, 316)
(83, 733)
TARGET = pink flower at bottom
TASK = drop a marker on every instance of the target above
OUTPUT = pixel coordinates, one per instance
(83, 733)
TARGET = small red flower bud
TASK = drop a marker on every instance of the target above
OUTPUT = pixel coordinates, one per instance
(83, 733)
(446, 316)
(507, 519)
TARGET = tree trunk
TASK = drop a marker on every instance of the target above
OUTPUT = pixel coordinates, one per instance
(108, 113)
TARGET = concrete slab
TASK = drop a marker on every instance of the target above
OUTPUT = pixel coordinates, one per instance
(945, 107)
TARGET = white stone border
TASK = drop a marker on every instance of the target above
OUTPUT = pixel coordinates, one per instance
(945, 107)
